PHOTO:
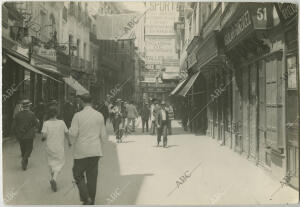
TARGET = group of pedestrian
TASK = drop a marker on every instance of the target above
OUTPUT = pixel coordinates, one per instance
(83, 126)
(123, 116)
(87, 129)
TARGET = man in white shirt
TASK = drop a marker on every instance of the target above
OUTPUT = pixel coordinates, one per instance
(88, 130)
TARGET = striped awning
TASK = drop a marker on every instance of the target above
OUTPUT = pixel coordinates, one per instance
(188, 85)
(30, 67)
(178, 87)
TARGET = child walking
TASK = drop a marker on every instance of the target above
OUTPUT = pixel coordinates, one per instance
(55, 131)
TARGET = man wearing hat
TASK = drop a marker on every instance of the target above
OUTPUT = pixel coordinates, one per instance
(117, 119)
(162, 124)
(25, 125)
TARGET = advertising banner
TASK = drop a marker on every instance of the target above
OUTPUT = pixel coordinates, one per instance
(158, 49)
(160, 18)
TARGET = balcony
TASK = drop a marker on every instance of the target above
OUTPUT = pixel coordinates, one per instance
(88, 67)
(75, 63)
(82, 64)
(63, 58)
(72, 10)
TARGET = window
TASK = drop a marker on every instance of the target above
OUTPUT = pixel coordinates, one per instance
(122, 44)
(43, 21)
(27, 84)
(209, 8)
(94, 63)
(71, 52)
(84, 51)
(78, 47)
(94, 29)
(52, 25)
(65, 14)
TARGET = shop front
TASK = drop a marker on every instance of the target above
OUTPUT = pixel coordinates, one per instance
(192, 89)
(46, 60)
(288, 14)
(19, 82)
(255, 49)
(217, 82)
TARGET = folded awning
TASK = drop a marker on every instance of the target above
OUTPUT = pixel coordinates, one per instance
(188, 85)
(30, 67)
(48, 68)
(80, 90)
(178, 87)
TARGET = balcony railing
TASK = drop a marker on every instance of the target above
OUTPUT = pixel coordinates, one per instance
(63, 59)
(81, 64)
(88, 67)
(75, 63)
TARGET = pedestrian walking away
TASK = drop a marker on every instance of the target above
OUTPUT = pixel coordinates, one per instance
(162, 125)
(152, 117)
(132, 114)
(55, 131)
(171, 116)
(145, 115)
(24, 127)
(88, 130)
(68, 113)
(40, 113)
(103, 108)
(117, 119)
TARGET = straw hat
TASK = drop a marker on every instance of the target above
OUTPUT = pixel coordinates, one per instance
(26, 104)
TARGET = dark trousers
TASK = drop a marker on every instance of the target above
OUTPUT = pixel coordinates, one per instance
(85, 173)
(153, 127)
(116, 126)
(170, 127)
(129, 121)
(145, 123)
(184, 123)
(26, 146)
(163, 130)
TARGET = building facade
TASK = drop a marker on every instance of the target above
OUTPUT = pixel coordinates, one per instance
(243, 84)
(51, 51)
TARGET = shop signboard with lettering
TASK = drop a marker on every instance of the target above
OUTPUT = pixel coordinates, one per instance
(172, 69)
(254, 17)
(49, 54)
(160, 18)
(158, 49)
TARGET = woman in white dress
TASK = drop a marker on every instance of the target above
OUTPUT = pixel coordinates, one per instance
(55, 131)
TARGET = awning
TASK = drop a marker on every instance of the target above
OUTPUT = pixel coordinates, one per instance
(80, 90)
(188, 85)
(30, 67)
(178, 87)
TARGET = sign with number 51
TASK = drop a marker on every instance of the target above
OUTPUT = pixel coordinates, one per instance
(262, 16)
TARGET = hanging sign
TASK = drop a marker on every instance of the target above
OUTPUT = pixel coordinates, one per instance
(253, 17)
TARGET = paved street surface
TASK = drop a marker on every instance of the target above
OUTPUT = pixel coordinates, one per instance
(138, 172)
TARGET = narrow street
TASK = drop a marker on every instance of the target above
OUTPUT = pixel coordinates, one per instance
(138, 172)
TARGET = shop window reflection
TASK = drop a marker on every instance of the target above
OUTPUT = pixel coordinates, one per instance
(26, 84)
(44, 88)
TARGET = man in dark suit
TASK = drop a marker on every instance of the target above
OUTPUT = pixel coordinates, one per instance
(162, 124)
(25, 125)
